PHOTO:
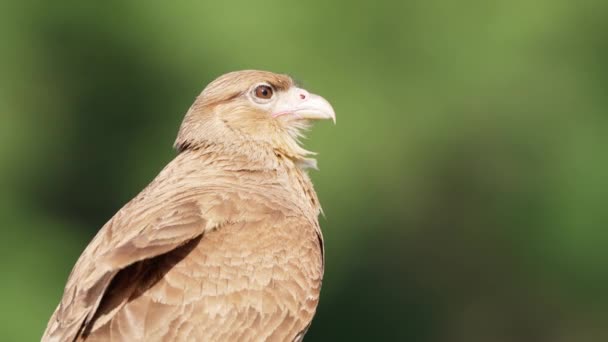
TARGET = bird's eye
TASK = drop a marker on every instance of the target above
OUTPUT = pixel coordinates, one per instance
(263, 92)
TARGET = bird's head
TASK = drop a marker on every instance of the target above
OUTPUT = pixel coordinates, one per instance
(253, 107)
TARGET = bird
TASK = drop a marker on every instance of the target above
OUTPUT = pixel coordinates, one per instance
(225, 243)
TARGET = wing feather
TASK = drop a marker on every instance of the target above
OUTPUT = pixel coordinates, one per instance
(162, 230)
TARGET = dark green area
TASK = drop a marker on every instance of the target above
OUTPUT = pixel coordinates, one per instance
(465, 185)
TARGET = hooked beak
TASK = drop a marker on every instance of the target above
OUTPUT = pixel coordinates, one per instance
(304, 105)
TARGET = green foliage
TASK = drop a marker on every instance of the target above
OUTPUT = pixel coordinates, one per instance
(464, 184)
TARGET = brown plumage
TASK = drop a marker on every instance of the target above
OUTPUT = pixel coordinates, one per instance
(225, 244)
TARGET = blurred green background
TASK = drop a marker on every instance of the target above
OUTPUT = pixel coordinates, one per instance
(465, 185)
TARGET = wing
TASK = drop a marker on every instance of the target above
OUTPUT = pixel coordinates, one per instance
(170, 212)
(111, 251)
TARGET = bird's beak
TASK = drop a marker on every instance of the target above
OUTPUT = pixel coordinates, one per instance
(304, 105)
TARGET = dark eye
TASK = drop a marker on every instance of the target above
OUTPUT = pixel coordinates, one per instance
(264, 92)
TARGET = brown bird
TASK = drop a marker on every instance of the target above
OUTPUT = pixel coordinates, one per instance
(225, 244)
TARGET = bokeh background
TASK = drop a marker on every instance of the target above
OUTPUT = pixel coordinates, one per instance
(465, 185)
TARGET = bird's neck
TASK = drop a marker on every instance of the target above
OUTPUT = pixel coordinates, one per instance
(260, 147)
(251, 155)
(253, 159)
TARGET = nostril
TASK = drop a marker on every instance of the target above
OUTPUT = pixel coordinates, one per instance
(303, 94)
